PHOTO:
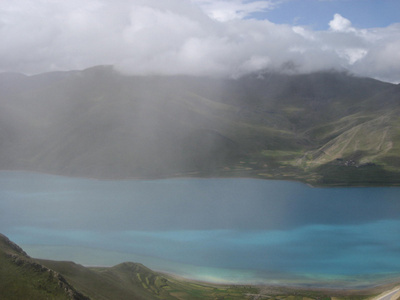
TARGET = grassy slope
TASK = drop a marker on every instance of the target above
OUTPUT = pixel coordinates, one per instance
(134, 281)
(23, 278)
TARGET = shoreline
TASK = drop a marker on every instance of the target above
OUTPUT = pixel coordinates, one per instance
(374, 290)
(191, 175)
(213, 276)
(383, 284)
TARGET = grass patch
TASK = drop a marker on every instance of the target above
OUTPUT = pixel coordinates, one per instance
(373, 175)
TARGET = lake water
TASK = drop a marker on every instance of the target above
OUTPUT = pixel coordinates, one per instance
(224, 230)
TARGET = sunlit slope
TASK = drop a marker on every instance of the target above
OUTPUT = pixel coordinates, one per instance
(369, 141)
(361, 147)
(102, 124)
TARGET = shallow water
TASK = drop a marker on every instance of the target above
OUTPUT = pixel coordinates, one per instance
(228, 230)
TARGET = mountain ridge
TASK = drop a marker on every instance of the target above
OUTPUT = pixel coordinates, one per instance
(21, 277)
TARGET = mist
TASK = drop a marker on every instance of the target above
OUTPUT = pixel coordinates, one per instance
(102, 124)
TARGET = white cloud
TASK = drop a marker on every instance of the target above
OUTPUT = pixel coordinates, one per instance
(180, 37)
(340, 24)
(383, 58)
(227, 10)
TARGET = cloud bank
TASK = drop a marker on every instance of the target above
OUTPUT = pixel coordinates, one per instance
(199, 37)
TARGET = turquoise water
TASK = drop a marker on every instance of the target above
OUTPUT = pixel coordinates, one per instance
(228, 230)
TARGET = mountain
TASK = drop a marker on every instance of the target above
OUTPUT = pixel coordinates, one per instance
(326, 128)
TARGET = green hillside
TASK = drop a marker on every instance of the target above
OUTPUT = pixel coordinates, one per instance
(22, 277)
(135, 281)
(319, 128)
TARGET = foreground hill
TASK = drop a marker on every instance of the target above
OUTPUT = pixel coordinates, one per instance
(22, 277)
(322, 128)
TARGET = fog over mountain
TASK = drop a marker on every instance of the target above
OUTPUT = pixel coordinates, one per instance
(183, 37)
(145, 88)
(323, 128)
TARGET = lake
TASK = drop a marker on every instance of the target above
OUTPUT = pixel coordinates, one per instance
(220, 230)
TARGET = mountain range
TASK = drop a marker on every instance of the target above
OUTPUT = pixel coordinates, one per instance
(325, 128)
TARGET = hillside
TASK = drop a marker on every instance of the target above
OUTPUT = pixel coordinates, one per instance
(22, 277)
(325, 128)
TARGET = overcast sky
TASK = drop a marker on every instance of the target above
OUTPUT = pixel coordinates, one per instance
(202, 37)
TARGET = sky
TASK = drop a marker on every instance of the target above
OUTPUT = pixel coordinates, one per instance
(222, 38)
